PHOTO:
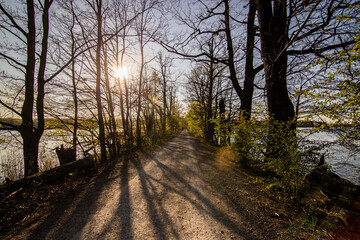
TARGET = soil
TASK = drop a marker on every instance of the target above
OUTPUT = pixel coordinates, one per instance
(183, 189)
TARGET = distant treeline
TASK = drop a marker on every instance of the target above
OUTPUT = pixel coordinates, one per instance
(53, 123)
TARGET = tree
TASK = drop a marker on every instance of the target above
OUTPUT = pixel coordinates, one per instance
(278, 34)
(30, 132)
(164, 63)
(97, 7)
(337, 94)
(216, 22)
(69, 11)
(144, 34)
(113, 138)
(205, 91)
(121, 18)
(250, 71)
(273, 36)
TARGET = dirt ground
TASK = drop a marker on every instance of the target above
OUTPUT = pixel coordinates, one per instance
(180, 190)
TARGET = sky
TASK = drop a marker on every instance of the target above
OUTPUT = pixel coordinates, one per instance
(180, 67)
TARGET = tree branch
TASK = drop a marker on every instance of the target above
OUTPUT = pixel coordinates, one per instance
(12, 59)
(299, 30)
(320, 50)
(13, 33)
(10, 108)
(17, 26)
(258, 69)
(8, 126)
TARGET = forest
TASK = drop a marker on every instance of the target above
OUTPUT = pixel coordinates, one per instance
(116, 75)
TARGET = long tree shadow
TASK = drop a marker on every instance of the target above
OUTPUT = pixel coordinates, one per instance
(158, 216)
(185, 188)
(124, 209)
(71, 210)
(126, 224)
(120, 225)
(209, 208)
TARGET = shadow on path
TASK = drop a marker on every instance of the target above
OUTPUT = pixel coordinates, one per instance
(158, 176)
(70, 215)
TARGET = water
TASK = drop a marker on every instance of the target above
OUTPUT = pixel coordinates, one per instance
(343, 162)
(11, 155)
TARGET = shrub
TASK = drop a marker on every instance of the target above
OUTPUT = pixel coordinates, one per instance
(279, 151)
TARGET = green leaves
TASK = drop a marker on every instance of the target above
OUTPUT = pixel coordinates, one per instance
(195, 121)
(337, 97)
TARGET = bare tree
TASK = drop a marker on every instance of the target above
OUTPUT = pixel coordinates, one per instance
(164, 63)
(216, 21)
(145, 34)
(30, 131)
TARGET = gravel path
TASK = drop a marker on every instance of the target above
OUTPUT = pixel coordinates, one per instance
(178, 191)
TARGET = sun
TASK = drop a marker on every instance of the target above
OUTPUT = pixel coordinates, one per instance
(120, 72)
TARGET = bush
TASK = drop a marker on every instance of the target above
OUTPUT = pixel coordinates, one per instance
(280, 152)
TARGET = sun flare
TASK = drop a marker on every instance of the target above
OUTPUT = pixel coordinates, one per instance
(120, 72)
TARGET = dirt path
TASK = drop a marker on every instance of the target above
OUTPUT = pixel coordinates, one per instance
(179, 191)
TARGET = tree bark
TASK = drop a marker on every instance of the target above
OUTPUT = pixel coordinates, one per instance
(32, 134)
(222, 122)
(75, 97)
(210, 128)
(41, 76)
(273, 37)
(247, 94)
(231, 62)
(113, 135)
(98, 82)
(164, 90)
(138, 123)
(27, 125)
(122, 111)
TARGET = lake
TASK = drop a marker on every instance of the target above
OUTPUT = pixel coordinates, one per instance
(343, 162)
(11, 156)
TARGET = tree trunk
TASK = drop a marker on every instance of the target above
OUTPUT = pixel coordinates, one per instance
(247, 94)
(122, 112)
(142, 45)
(222, 122)
(273, 37)
(127, 119)
(129, 122)
(75, 97)
(210, 128)
(27, 125)
(164, 101)
(41, 78)
(138, 123)
(231, 62)
(30, 150)
(113, 135)
(98, 82)
(123, 121)
(32, 134)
